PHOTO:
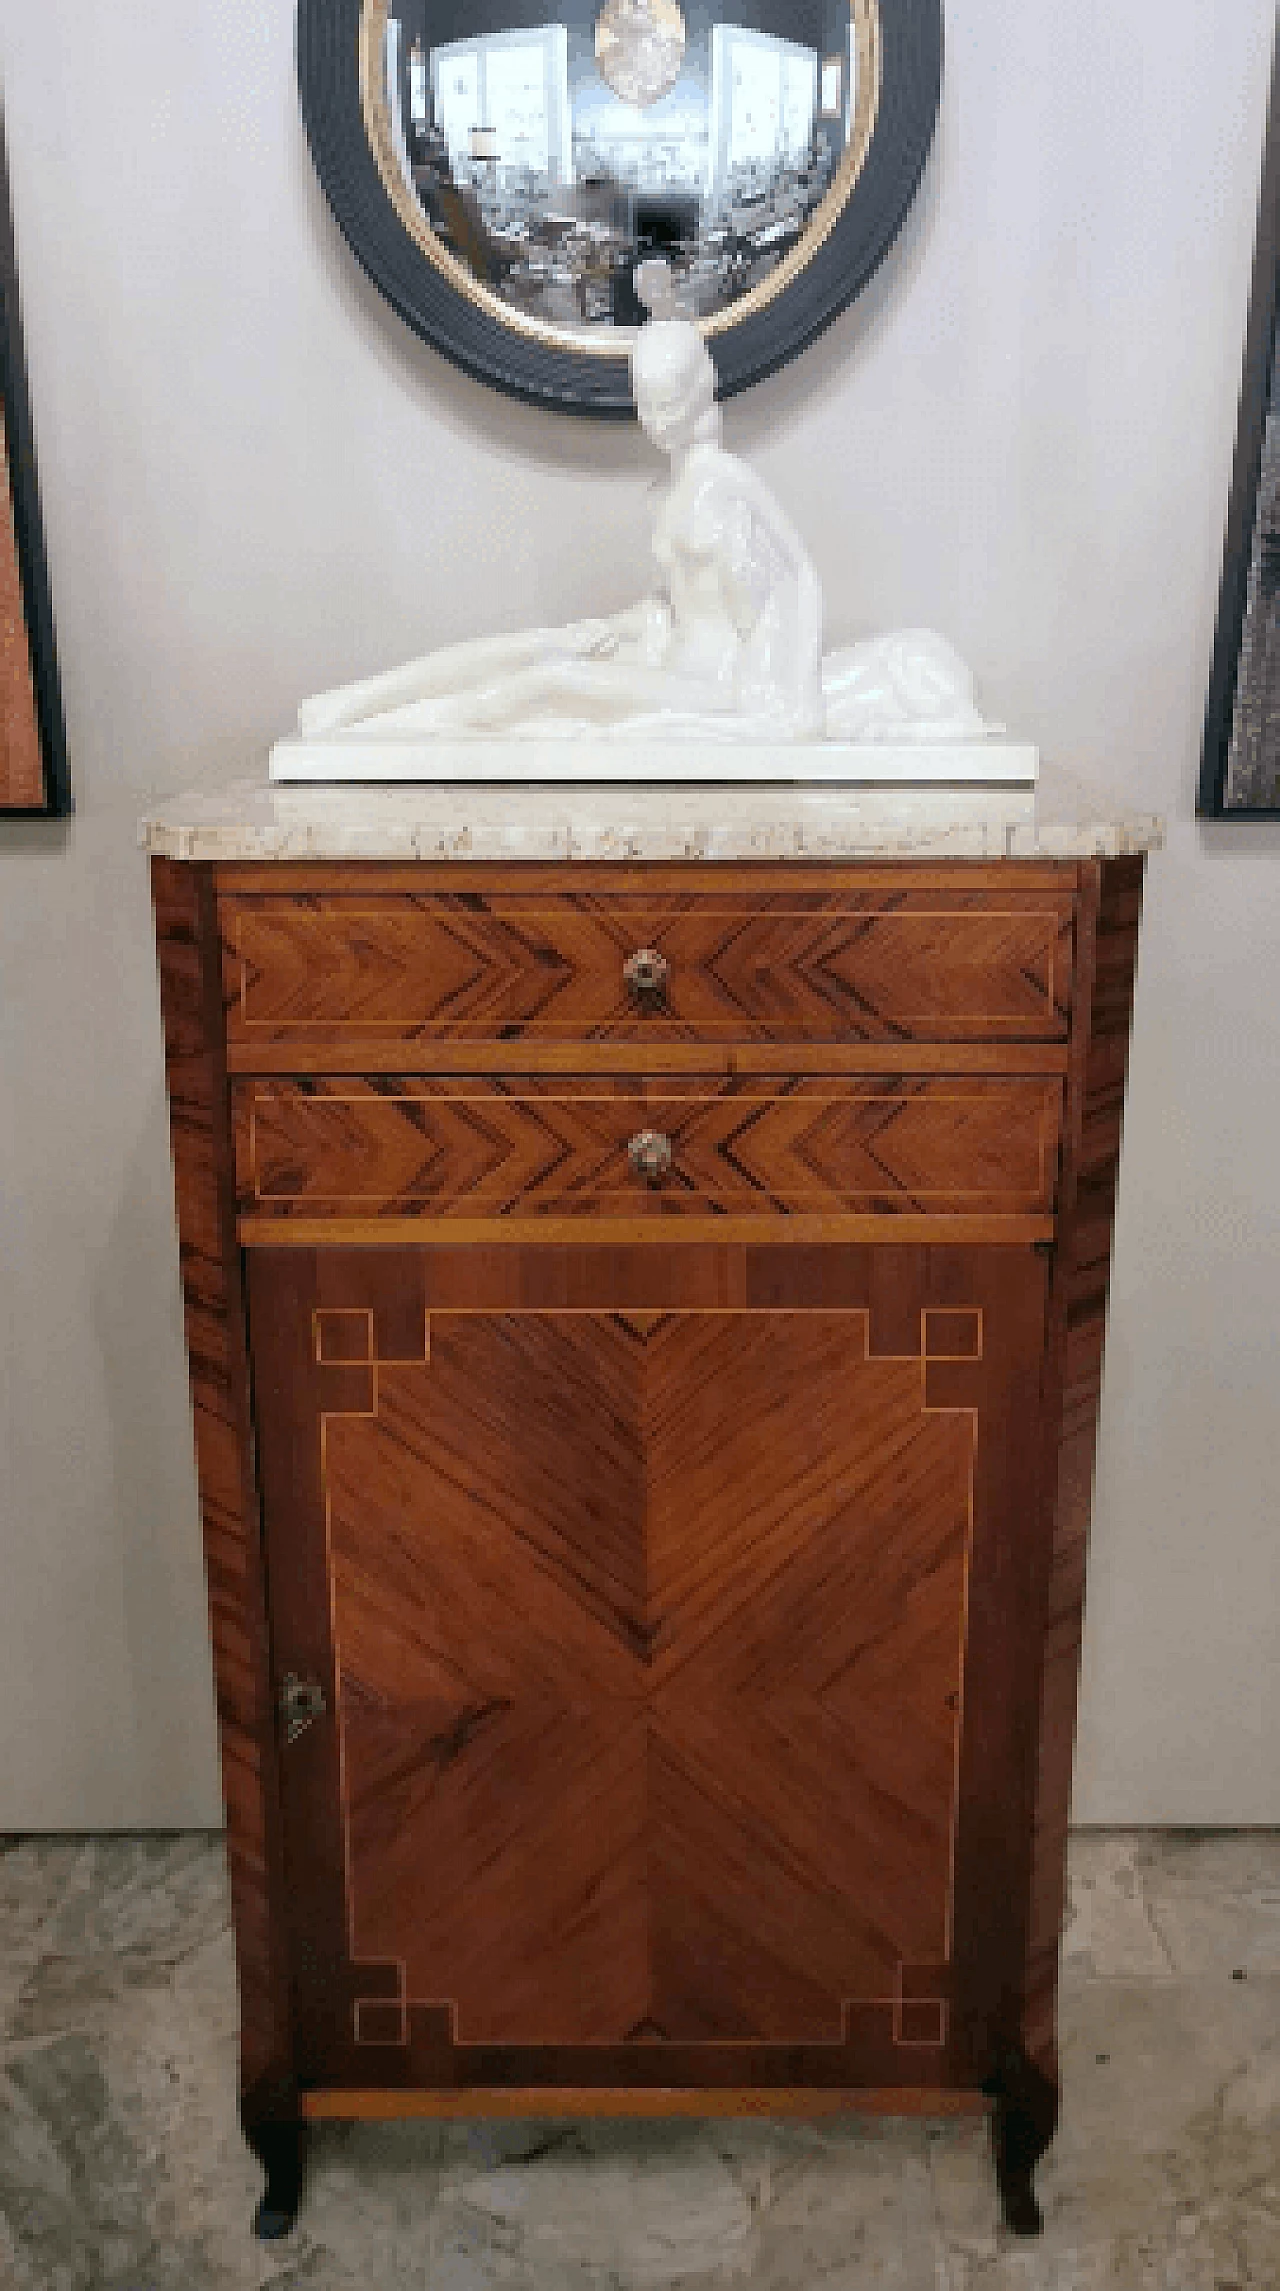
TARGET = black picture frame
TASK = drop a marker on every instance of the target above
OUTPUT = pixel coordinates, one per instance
(28, 531)
(1244, 678)
(328, 47)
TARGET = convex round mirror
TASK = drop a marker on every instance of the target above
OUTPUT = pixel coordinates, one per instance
(500, 170)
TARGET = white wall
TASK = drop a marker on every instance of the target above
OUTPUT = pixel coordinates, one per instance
(256, 482)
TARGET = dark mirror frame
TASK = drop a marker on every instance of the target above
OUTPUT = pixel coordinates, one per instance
(578, 382)
(28, 539)
(1240, 677)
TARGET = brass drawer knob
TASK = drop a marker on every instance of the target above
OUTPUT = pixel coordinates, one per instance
(648, 975)
(650, 1155)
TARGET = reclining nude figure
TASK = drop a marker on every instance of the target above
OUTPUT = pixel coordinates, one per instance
(729, 645)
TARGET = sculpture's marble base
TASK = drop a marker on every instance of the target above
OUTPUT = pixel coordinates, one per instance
(550, 761)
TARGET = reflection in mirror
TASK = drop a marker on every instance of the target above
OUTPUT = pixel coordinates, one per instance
(543, 159)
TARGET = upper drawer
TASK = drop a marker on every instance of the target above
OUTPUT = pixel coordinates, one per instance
(873, 966)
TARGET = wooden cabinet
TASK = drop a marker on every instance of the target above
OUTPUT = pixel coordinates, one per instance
(645, 1329)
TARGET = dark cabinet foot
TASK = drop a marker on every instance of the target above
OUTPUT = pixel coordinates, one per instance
(277, 2142)
(1026, 2114)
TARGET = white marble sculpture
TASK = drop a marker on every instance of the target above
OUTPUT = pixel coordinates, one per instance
(726, 650)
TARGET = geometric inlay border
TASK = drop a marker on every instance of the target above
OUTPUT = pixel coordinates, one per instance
(344, 1343)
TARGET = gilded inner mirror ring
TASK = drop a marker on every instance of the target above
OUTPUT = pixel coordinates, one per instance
(608, 340)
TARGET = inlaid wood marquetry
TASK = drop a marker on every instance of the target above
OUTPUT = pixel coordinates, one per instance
(593, 1698)
(646, 1634)
(646, 1337)
(529, 1146)
(904, 965)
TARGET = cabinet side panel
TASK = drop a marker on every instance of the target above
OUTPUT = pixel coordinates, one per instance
(191, 1006)
(1107, 959)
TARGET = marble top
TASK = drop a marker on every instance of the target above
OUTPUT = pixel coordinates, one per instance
(253, 819)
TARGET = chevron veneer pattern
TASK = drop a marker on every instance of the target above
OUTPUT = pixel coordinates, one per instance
(525, 1146)
(874, 965)
(649, 1643)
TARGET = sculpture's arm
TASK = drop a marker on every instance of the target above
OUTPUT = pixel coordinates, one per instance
(641, 632)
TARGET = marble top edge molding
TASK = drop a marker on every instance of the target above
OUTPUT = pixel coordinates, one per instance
(254, 820)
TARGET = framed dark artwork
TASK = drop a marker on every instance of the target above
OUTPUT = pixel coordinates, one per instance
(1240, 766)
(34, 779)
(500, 167)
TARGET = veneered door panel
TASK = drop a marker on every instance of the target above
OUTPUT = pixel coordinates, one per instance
(642, 1585)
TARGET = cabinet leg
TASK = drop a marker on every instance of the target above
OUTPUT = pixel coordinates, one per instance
(1026, 2114)
(277, 2142)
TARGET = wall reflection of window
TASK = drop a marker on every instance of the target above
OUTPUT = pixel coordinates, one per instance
(419, 104)
(799, 102)
(764, 97)
(456, 76)
(754, 131)
(517, 87)
(832, 105)
(517, 106)
(391, 67)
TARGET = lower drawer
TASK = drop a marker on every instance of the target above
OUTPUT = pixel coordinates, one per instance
(659, 1146)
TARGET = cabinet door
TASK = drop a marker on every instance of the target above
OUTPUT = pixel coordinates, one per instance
(677, 1614)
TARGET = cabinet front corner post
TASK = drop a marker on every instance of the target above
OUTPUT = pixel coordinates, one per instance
(1106, 960)
(185, 905)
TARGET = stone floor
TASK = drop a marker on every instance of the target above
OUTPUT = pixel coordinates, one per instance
(121, 2165)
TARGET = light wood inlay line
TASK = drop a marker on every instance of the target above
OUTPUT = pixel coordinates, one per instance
(332, 2104)
(763, 1230)
(988, 1145)
(661, 926)
(744, 967)
(515, 1674)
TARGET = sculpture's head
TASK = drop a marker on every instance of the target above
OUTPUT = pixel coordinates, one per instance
(673, 379)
